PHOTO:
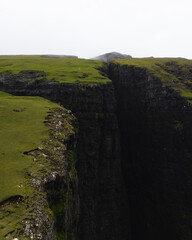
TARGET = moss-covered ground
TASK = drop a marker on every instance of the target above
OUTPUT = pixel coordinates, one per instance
(176, 72)
(25, 127)
(21, 130)
(57, 69)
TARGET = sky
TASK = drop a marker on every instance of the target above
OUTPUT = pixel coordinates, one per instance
(88, 28)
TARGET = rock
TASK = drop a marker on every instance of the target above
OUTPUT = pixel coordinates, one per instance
(19, 110)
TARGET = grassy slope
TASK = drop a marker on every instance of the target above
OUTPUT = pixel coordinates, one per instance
(176, 72)
(57, 69)
(19, 132)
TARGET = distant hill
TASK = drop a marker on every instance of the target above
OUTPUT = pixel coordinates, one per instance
(58, 56)
(112, 55)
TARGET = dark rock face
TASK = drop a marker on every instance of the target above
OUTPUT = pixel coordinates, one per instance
(156, 137)
(103, 200)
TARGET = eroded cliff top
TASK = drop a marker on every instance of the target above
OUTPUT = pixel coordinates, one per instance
(175, 72)
(63, 70)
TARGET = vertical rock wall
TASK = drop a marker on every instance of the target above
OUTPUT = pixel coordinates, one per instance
(156, 138)
(103, 201)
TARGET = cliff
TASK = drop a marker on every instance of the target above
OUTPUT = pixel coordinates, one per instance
(133, 147)
(103, 199)
(103, 206)
(156, 135)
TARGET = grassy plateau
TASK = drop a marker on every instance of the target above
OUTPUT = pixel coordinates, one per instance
(56, 69)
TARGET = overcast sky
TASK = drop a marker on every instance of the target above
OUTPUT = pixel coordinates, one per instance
(88, 28)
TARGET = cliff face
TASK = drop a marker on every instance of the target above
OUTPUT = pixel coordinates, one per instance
(156, 136)
(133, 154)
(103, 199)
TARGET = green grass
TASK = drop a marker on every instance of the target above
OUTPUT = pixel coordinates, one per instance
(56, 69)
(22, 131)
(167, 68)
(184, 92)
(19, 132)
(13, 215)
(175, 72)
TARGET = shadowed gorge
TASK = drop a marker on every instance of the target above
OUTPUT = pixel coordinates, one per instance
(132, 148)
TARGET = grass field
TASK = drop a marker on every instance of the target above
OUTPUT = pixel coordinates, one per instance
(56, 69)
(19, 132)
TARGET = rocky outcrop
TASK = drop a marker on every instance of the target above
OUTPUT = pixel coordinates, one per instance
(112, 55)
(156, 135)
(57, 186)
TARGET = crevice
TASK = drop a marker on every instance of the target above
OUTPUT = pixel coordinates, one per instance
(14, 199)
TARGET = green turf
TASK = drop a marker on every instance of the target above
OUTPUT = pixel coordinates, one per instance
(57, 69)
(19, 132)
(175, 72)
